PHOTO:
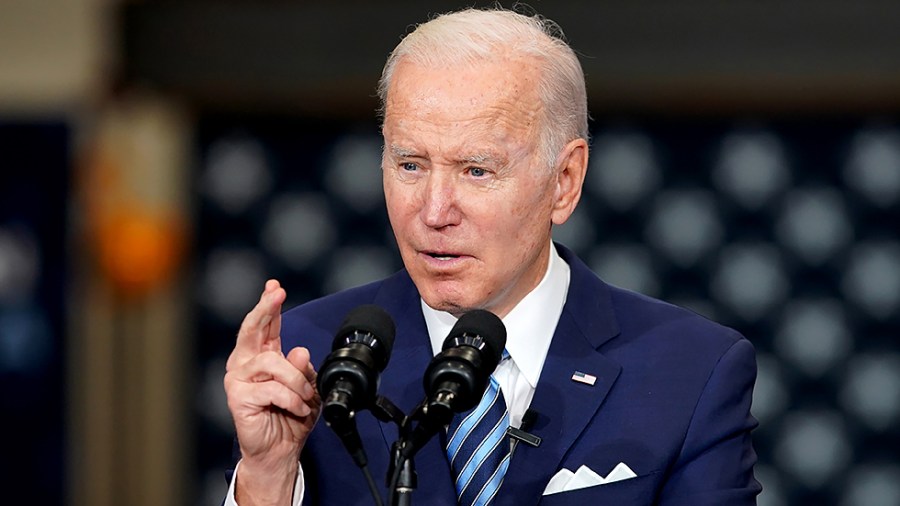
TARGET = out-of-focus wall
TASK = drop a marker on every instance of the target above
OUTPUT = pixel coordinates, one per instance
(642, 56)
(54, 55)
(92, 230)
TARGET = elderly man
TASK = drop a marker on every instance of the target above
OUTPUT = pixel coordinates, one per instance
(637, 401)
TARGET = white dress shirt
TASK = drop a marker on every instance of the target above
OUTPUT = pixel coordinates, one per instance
(529, 328)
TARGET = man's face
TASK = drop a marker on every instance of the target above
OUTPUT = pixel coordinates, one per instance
(469, 198)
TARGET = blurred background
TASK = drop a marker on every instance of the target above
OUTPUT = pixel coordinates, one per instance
(159, 160)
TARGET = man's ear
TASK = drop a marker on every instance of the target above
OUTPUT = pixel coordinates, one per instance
(571, 169)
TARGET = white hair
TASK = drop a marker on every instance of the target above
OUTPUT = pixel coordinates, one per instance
(475, 35)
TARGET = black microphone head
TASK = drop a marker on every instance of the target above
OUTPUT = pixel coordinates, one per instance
(481, 329)
(348, 378)
(370, 325)
(457, 377)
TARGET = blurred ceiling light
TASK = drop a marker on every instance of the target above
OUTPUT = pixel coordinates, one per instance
(354, 266)
(237, 173)
(770, 395)
(750, 279)
(684, 225)
(813, 335)
(577, 233)
(626, 265)
(871, 389)
(873, 165)
(813, 447)
(26, 342)
(814, 223)
(623, 169)
(299, 229)
(233, 279)
(751, 168)
(353, 172)
(872, 278)
(871, 485)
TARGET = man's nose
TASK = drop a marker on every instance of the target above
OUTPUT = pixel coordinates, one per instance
(440, 206)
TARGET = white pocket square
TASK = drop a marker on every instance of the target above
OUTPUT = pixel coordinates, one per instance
(566, 480)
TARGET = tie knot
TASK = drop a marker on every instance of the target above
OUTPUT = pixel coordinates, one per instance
(505, 355)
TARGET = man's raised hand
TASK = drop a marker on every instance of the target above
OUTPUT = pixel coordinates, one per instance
(273, 401)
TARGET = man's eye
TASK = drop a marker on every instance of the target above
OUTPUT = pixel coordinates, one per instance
(409, 166)
(477, 172)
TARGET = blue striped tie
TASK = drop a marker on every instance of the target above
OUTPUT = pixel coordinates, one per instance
(478, 449)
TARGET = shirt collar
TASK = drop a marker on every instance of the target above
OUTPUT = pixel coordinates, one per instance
(529, 325)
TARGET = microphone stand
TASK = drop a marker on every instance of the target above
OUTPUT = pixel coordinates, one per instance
(401, 478)
(431, 416)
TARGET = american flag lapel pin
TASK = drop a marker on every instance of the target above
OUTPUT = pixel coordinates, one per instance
(587, 379)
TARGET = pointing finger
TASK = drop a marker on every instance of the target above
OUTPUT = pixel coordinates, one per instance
(261, 327)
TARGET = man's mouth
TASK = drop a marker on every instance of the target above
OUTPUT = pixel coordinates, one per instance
(441, 255)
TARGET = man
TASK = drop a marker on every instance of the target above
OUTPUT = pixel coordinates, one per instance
(485, 128)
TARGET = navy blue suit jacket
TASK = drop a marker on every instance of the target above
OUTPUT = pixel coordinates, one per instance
(671, 400)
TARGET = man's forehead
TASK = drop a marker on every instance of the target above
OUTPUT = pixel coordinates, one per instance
(513, 75)
(503, 98)
(467, 114)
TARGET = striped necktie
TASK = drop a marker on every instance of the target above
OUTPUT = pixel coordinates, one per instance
(478, 449)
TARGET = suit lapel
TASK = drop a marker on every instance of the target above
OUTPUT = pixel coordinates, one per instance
(565, 407)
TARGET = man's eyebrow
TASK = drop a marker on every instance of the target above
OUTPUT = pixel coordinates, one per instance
(482, 158)
(401, 152)
(473, 159)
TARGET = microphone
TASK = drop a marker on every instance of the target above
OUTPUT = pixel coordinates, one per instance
(348, 379)
(528, 419)
(457, 377)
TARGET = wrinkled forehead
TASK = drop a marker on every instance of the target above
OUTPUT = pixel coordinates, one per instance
(502, 86)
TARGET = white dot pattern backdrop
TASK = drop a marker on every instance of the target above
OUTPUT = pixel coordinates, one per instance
(788, 231)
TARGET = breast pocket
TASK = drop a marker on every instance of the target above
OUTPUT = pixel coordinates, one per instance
(639, 491)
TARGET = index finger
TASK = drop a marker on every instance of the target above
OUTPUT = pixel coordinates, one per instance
(261, 327)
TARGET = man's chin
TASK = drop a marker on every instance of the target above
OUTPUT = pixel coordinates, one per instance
(456, 306)
(452, 294)
(451, 307)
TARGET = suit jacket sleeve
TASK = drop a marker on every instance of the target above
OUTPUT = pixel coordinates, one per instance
(715, 466)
